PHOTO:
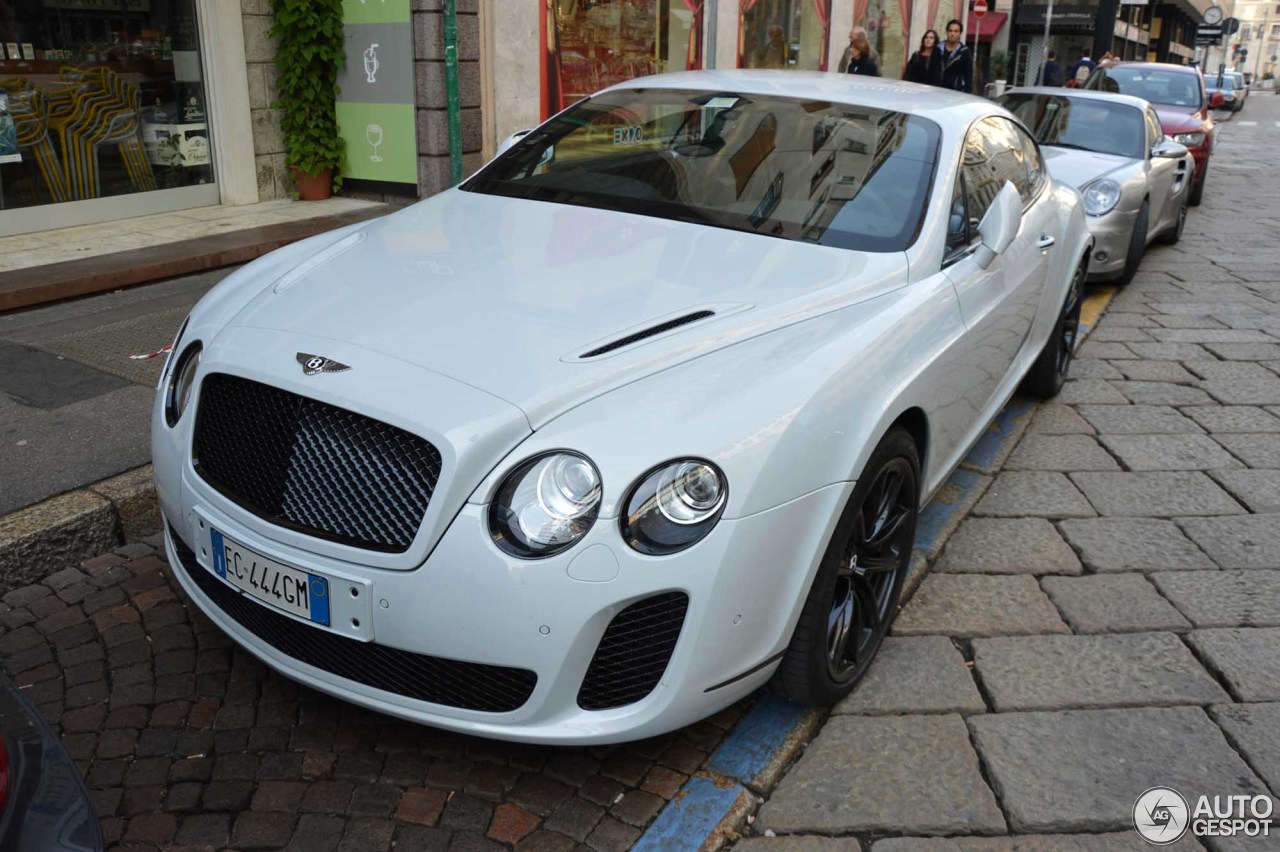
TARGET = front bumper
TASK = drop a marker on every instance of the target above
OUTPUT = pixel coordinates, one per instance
(1111, 233)
(470, 602)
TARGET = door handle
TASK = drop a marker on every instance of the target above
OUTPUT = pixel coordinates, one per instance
(1045, 241)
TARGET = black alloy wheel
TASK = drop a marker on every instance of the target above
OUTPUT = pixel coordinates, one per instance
(1197, 184)
(855, 595)
(1174, 234)
(1137, 245)
(1049, 372)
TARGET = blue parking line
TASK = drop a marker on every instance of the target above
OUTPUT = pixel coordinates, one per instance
(951, 501)
(754, 741)
(693, 816)
(987, 454)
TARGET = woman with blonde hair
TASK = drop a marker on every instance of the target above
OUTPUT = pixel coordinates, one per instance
(860, 61)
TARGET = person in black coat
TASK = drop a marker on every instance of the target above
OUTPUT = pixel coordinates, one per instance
(860, 61)
(957, 60)
(925, 65)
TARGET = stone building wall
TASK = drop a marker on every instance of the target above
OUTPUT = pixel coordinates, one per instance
(274, 180)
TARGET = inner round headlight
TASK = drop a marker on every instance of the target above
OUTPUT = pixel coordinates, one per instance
(181, 381)
(1101, 197)
(674, 506)
(545, 505)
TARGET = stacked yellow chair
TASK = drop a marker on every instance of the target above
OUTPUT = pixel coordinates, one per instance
(99, 108)
(27, 105)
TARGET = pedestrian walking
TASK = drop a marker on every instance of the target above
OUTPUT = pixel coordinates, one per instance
(860, 61)
(957, 60)
(856, 33)
(1080, 70)
(925, 65)
(1050, 73)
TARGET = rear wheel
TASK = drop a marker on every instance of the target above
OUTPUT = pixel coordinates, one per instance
(1197, 188)
(855, 594)
(1137, 245)
(1050, 369)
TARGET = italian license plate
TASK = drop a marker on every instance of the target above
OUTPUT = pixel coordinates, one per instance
(297, 592)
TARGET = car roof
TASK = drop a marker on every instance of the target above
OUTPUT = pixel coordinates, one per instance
(873, 92)
(1083, 94)
(1155, 66)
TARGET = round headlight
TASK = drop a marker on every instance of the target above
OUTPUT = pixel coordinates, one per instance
(545, 505)
(1101, 197)
(181, 381)
(674, 506)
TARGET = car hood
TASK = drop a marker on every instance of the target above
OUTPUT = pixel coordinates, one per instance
(1177, 119)
(1078, 168)
(507, 295)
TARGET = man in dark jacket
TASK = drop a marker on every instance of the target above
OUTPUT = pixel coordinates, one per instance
(1051, 72)
(957, 60)
(1082, 67)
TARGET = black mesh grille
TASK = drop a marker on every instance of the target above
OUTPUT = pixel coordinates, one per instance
(471, 686)
(311, 466)
(634, 652)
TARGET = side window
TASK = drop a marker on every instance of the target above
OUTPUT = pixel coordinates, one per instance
(992, 156)
(1036, 175)
(1154, 131)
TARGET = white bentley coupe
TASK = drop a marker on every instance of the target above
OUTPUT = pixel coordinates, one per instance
(635, 420)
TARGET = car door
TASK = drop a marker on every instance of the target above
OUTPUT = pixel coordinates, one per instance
(998, 303)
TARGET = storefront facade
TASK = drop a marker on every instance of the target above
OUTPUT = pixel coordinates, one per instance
(118, 108)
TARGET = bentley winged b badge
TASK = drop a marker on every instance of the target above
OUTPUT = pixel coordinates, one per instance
(313, 364)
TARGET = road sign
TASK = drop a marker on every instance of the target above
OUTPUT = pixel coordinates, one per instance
(1208, 36)
(979, 8)
(1230, 26)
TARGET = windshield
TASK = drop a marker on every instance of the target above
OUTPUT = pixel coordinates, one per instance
(833, 174)
(1174, 88)
(1088, 123)
(1226, 84)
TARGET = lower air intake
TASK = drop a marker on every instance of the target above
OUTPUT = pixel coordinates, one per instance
(634, 651)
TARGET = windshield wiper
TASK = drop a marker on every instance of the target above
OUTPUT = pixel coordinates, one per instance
(1072, 147)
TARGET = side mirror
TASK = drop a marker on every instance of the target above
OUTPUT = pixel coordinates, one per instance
(1166, 148)
(511, 140)
(999, 226)
(1215, 100)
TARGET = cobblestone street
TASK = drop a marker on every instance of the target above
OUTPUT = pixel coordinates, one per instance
(1108, 618)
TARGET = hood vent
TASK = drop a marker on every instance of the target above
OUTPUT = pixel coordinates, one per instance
(651, 331)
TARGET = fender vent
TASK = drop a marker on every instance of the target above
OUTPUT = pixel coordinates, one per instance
(636, 337)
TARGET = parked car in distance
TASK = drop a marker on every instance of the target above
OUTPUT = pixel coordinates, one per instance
(1180, 99)
(1135, 180)
(1242, 87)
(44, 806)
(635, 419)
(1224, 85)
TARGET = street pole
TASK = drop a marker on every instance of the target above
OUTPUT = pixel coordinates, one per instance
(710, 17)
(1048, 16)
(452, 98)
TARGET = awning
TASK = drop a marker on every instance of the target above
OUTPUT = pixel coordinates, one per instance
(987, 26)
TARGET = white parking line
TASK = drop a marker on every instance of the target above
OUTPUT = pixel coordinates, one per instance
(1251, 123)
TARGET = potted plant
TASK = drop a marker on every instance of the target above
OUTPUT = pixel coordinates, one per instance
(309, 55)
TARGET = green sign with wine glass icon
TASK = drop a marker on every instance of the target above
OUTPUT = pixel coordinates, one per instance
(375, 106)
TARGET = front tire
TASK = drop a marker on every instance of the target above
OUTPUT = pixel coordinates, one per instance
(855, 593)
(1197, 188)
(1049, 372)
(1137, 245)
(1174, 234)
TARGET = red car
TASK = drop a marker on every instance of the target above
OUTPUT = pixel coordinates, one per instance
(1179, 96)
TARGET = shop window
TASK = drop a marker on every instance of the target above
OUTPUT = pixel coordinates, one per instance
(100, 98)
(592, 44)
(784, 34)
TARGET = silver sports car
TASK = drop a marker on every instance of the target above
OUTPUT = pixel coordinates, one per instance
(1135, 180)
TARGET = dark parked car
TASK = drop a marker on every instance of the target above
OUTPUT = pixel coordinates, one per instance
(1183, 104)
(44, 806)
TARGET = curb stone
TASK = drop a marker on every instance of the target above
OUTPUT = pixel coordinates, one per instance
(66, 530)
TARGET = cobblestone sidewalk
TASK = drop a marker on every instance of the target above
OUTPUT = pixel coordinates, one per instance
(1108, 619)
